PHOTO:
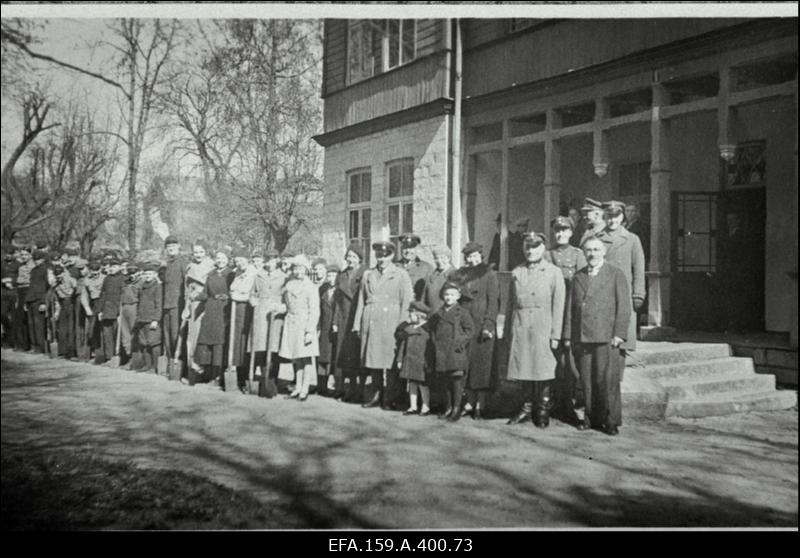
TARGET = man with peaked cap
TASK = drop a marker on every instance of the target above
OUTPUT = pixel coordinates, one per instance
(174, 278)
(569, 260)
(35, 301)
(624, 251)
(383, 303)
(108, 305)
(481, 298)
(148, 314)
(592, 211)
(129, 302)
(534, 319)
(515, 240)
(64, 291)
(418, 270)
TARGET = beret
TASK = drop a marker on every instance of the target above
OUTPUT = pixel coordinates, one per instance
(472, 247)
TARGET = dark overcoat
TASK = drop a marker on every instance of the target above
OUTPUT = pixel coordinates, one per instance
(37, 290)
(415, 352)
(213, 329)
(599, 306)
(149, 310)
(174, 277)
(110, 296)
(453, 330)
(433, 286)
(481, 298)
(327, 339)
(348, 344)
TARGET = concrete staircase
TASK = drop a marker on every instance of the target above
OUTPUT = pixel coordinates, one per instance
(696, 380)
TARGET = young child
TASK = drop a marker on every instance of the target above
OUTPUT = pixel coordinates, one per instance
(452, 329)
(148, 316)
(129, 300)
(108, 306)
(415, 356)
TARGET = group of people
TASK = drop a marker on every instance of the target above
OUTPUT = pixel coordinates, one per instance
(419, 333)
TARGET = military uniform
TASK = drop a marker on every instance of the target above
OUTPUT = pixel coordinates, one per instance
(418, 271)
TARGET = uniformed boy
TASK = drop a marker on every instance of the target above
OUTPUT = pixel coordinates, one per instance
(148, 316)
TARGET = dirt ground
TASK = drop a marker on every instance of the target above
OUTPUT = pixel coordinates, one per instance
(324, 464)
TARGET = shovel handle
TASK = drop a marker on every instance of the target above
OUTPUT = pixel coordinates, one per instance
(118, 340)
(231, 335)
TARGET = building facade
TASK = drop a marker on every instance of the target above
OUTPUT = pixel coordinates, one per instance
(441, 126)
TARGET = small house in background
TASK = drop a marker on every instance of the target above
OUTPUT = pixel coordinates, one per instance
(436, 126)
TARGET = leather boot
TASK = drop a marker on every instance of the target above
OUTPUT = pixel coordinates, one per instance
(322, 385)
(523, 415)
(543, 406)
(374, 402)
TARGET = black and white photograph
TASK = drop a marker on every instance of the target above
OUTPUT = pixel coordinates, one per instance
(388, 276)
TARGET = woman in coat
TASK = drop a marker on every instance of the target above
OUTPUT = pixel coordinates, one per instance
(382, 305)
(213, 307)
(196, 273)
(536, 314)
(266, 299)
(482, 299)
(299, 341)
(348, 345)
(241, 286)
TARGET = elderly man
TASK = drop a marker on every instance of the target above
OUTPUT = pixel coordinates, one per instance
(624, 251)
(383, 304)
(418, 270)
(536, 311)
(596, 326)
(442, 273)
(593, 222)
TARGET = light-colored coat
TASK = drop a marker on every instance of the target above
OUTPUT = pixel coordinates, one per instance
(265, 298)
(624, 251)
(536, 308)
(301, 297)
(382, 305)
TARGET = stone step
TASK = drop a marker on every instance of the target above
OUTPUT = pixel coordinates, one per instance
(727, 404)
(695, 369)
(653, 354)
(721, 385)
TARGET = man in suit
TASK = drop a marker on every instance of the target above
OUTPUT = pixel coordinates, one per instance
(596, 326)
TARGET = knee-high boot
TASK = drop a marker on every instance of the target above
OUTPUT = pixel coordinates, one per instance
(544, 402)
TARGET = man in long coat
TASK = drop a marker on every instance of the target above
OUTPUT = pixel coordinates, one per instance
(596, 326)
(417, 269)
(592, 211)
(345, 302)
(624, 251)
(482, 299)
(536, 312)
(35, 301)
(383, 304)
(174, 278)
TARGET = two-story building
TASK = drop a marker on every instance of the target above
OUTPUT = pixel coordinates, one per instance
(438, 126)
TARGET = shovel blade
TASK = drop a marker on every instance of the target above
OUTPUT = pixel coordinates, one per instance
(54, 349)
(174, 369)
(162, 365)
(231, 380)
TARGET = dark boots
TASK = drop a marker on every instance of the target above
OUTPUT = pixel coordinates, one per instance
(544, 403)
(322, 385)
(524, 415)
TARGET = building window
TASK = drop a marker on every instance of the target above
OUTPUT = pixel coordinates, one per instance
(377, 45)
(400, 205)
(359, 212)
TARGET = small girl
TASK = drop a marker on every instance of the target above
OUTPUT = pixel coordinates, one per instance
(415, 356)
(299, 341)
(452, 329)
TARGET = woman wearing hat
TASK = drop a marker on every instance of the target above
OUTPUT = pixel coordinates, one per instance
(299, 341)
(265, 299)
(196, 275)
(212, 306)
(482, 300)
(348, 345)
(386, 294)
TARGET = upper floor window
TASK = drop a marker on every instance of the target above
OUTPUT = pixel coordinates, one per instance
(377, 45)
(359, 212)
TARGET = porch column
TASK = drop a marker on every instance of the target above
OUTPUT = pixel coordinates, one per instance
(793, 262)
(600, 154)
(552, 172)
(504, 199)
(658, 276)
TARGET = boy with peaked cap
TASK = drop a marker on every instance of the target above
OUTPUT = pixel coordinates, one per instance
(148, 314)
(415, 356)
(624, 251)
(174, 278)
(64, 289)
(592, 211)
(327, 337)
(108, 305)
(569, 260)
(452, 330)
(418, 270)
(535, 318)
(36, 301)
(383, 303)
(129, 301)
(481, 289)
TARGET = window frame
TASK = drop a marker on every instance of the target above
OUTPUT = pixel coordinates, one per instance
(364, 240)
(402, 201)
(382, 65)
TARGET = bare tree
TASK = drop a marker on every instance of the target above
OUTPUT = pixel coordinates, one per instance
(26, 205)
(247, 113)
